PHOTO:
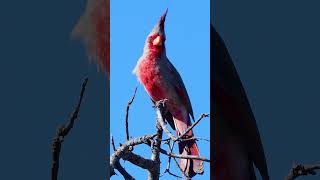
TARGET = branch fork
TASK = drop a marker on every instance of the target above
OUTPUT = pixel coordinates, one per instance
(154, 141)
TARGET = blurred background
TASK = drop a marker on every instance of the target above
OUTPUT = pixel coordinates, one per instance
(275, 45)
(41, 71)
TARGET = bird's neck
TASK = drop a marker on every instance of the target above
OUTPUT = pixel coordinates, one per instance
(155, 52)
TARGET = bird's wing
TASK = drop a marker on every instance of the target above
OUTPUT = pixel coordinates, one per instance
(93, 29)
(234, 103)
(176, 81)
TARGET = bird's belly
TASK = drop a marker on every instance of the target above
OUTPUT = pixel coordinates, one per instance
(155, 88)
(152, 80)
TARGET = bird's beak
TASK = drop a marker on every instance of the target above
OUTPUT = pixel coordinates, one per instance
(163, 18)
(157, 41)
(159, 31)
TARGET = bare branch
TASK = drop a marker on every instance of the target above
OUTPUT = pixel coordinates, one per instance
(124, 149)
(118, 166)
(154, 141)
(184, 156)
(302, 170)
(154, 173)
(139, 161)
(123, 172)
(195, 138)
(182, 171)
(113, 145)
(63, 131)
(192, 126)
(160, 107)
(127, 113)
(167, 170)
(167, 153)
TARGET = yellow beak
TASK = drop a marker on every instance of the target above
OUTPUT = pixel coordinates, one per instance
(157, 41)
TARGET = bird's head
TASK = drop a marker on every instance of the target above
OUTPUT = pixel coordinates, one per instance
(156, 38)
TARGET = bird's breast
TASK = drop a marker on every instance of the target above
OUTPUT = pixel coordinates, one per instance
(150, 76)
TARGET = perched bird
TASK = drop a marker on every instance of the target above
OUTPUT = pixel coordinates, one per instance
(237, 144)
(161, 80)
(93, 29)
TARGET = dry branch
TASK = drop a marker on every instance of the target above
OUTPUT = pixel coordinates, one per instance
(124, 152)
(127, 113)
(63, 131)
(155, 172)
(192, 126)
(302, 170)
(154, 141)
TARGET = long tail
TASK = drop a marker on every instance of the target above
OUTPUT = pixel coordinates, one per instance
(93, 29)
(190, 167)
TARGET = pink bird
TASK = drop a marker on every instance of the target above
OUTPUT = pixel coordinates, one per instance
(238, 146)
(93, 29)
(161, 80)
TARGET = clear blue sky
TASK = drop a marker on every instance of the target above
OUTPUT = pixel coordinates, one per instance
(188, 42)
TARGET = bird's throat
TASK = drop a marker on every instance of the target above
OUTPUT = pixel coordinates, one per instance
(155, 52)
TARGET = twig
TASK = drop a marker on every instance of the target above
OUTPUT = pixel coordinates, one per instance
(194, 138)
(173, 155)
(63, 131)
(302, 170)
(167, 170)
(160, 105)
(127, 113)
(113, 145)
(184, 156)
(192, 126)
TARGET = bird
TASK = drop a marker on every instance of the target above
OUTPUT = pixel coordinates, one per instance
(93, 28)
(237, 144)
(161, 81)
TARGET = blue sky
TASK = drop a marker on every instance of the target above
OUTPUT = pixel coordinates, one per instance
(187, 31)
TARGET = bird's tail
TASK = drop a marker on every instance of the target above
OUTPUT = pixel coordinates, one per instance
(93, 29)
(190, 167)
(188, 147)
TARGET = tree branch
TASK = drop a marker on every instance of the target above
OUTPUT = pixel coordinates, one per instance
(118, 166)
(127, 113)
(302, 170)
(155, 172)
(192, 126)
(124, 152)
(63, 131)
(154, 141)
(160, 108)
(123, 172)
